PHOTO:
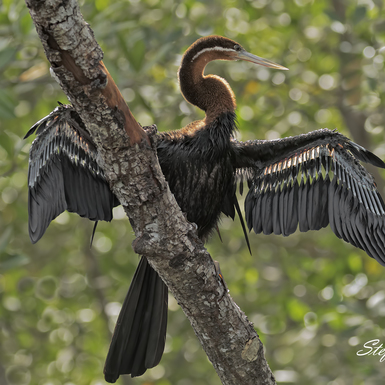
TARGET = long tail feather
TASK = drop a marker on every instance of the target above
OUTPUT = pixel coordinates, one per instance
(140, 332)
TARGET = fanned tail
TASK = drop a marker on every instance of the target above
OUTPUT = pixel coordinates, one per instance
(140, 332)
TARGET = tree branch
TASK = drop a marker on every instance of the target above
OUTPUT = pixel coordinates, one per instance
(129, 160)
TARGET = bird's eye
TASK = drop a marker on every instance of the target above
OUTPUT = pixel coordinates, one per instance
(237, 48)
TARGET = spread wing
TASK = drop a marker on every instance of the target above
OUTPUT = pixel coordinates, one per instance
(311, 181)
(63, 173)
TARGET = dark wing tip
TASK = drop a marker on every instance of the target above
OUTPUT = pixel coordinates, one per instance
(42, 123)
(364, 155)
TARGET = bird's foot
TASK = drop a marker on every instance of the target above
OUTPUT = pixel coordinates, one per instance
(151, 132)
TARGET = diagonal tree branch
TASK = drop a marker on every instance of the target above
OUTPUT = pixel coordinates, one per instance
(129, 160)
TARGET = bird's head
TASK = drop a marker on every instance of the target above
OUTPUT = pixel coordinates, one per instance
(211, 48)
(211, 93)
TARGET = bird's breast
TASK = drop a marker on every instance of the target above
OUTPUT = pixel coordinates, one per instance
(200, 181)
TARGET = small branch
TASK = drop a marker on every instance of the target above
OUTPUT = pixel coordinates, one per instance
(164, 236)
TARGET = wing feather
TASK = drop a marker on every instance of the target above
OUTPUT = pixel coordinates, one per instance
(315, 185)
(64, 174)
(282, 202)
(292, 212)
(275, 211)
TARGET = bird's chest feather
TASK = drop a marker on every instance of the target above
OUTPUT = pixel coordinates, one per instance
(200, 175)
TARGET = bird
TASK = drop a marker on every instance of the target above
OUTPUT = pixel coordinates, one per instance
(308, 181)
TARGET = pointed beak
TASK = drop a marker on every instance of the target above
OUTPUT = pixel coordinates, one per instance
(246, 56)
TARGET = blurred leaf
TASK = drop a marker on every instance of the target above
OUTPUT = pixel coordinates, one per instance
(7, 106)
(333, 15)
(8, 262)
(6, 55)
(359, 14)
(4, 238)
(6, 142)
(135, 53)
(26, 23)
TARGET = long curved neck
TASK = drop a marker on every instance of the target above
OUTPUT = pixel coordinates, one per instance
(210, 93)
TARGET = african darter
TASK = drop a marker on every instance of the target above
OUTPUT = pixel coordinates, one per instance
(310, 180)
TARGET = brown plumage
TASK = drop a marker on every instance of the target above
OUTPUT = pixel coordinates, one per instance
(310, 180)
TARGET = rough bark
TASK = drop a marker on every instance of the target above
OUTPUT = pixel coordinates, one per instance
(163, 235)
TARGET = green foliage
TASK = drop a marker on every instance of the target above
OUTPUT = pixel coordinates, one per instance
(314, 299)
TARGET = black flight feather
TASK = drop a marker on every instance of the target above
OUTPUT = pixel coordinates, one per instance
(64, 174)
(346, 197)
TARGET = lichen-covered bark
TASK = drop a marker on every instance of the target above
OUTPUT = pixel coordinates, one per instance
(129, 160)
